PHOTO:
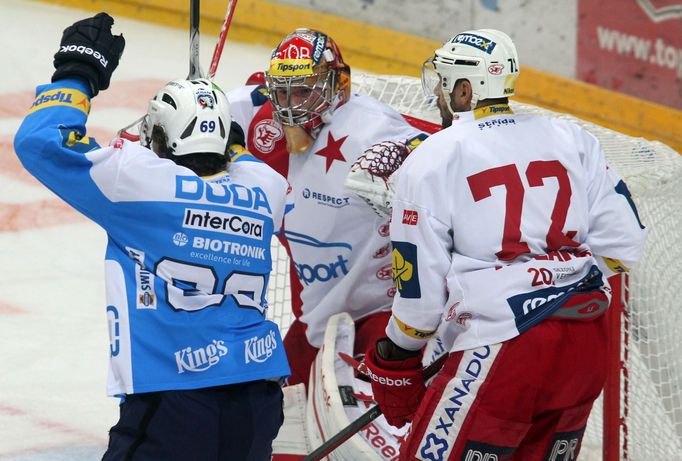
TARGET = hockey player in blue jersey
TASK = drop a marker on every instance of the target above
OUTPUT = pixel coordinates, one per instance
(187, 261)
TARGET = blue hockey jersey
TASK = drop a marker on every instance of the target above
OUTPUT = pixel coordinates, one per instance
(187, 260)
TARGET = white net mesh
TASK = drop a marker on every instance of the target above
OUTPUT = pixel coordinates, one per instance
(653, 172)
(279, 289)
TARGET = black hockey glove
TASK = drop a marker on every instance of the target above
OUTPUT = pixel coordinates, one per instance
(88, 50)
(236, 135)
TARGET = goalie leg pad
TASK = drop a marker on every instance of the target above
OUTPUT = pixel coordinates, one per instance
(336, 397)
(292, 440)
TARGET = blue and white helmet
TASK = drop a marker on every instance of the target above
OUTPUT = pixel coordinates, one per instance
(194, 115)
(485, 57)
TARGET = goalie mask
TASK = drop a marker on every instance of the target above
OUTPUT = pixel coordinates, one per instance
(194, 116)
(487, 58)
(307, 80)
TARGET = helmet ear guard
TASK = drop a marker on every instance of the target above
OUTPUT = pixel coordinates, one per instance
(193, 115)
(487, 58)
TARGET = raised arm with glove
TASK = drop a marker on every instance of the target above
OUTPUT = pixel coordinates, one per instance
(88, 50)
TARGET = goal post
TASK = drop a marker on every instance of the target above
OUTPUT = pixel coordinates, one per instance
(613, 423)
(639, 415)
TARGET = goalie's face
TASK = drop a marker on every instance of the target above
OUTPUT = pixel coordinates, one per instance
(307, 80)
(301, 100)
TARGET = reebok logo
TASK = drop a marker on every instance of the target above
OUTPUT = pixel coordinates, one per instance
(400, 382)
(85, 50)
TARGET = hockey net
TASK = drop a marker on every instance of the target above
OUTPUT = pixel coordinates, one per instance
(644, 419)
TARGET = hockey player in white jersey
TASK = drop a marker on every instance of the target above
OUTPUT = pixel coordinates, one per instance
(187, 261)
(504, 230)
(308, 125)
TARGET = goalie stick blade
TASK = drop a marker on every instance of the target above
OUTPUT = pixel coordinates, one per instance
(369, 416)
(125, 132)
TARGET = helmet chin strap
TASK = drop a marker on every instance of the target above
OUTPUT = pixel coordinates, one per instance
(452, 112)
(474, 101)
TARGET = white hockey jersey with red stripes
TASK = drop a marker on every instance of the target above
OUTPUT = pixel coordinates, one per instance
(501, 221)
(339, 246)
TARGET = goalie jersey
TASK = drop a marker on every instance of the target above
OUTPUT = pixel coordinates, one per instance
(503, 220)
(187, 260)
(339, 246)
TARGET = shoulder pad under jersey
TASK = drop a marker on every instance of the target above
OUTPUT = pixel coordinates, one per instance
(259, 96)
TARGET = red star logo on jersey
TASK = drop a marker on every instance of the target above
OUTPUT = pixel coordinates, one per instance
(332, 151)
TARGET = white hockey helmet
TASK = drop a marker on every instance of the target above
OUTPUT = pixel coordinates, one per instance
(487, 58)
(194, 115)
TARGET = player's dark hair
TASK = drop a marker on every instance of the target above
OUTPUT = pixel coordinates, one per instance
(202, 163)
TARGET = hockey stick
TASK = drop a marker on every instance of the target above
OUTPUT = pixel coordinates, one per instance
(369, 416)
(194, 67)
(194, 55)
(125, 134)
(194, 18)
(218, 51)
